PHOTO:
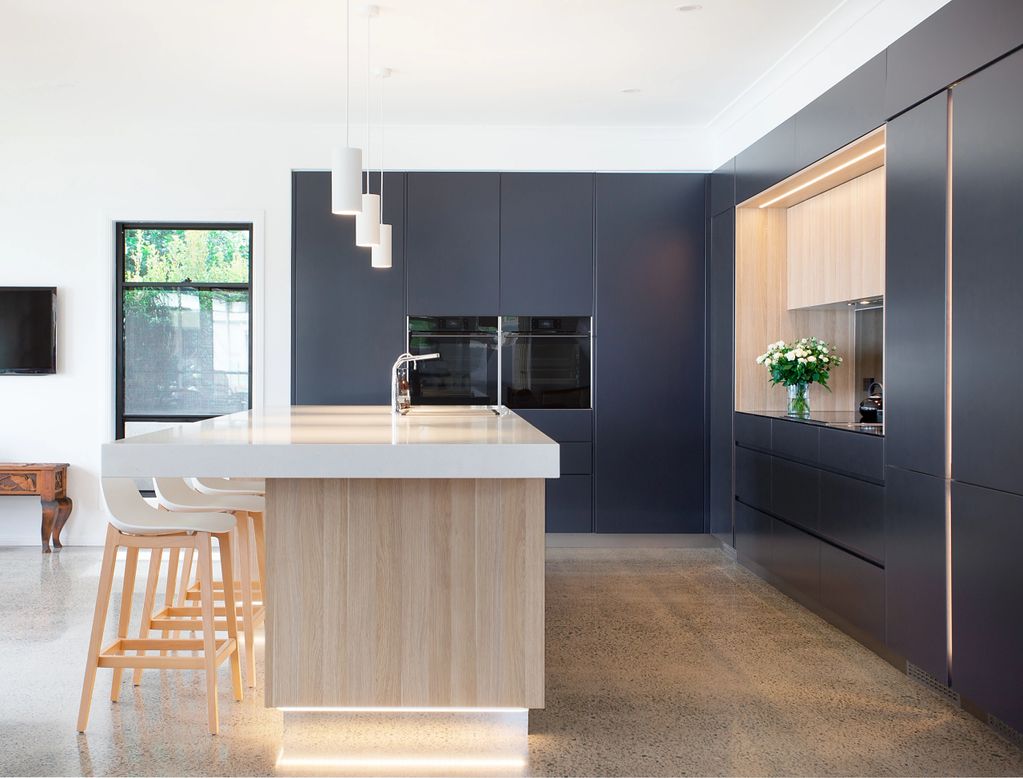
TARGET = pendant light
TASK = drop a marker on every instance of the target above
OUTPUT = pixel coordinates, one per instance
(367, 223)
(381, 253)
(346, 161)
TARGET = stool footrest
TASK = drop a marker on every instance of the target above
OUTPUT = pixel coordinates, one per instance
(113, 656)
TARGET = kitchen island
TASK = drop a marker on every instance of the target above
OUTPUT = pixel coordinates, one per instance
(405, 554)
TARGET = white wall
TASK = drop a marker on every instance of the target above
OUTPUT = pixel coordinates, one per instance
(62, 187)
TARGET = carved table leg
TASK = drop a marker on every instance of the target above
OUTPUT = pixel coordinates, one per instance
(64, 506)
(49, 514)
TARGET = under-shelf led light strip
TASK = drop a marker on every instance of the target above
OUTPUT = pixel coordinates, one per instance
(822, 176)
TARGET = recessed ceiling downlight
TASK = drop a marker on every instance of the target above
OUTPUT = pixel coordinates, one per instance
(631, 91)
(688, 8)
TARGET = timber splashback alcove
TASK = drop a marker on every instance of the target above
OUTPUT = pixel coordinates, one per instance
(405, 593)
(807, 251)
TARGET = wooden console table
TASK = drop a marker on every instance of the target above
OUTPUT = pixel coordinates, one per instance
(49, 481)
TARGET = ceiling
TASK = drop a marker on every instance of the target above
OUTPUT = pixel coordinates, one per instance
(509, 63)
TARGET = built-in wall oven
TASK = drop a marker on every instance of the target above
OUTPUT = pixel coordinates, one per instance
(466, 372)
(545, 361)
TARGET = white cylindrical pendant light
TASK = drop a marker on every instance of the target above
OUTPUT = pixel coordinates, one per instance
(367, 223)
(346, 161)
(346, 181)
(382, 251)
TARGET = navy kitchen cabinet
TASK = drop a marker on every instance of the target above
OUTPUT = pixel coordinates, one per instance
(766, 162)
(956, 40)
(752, 537)
(915, 569)
(722, 188)
(851, 108)
(987, 277)
(453, 243)
(796, 562)
(546, 244)
(987, 578)
(348, 319)
(852, 591)
(649, 443)
(570, 497)
(721, 368)
(915, 278)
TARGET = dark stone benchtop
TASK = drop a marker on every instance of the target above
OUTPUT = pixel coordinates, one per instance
(840, 420)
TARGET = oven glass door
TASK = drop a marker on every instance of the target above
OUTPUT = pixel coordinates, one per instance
(546, 362)
(465, 373)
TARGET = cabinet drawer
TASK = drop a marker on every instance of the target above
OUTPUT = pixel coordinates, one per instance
(795, 439)
(852, 514)
(795, 559)
(753, 431)
(854, 453)
(753, 478)
(562, 425)
(854, 591)
(795, 492)
(752, 535)
(576, 458)
(570, 504)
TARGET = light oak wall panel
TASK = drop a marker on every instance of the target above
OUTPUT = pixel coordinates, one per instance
(762, 317)
(836, 244)
(405, 592)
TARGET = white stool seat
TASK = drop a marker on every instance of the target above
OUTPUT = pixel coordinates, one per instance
(130, 513)
(256, 486)
(176, 495)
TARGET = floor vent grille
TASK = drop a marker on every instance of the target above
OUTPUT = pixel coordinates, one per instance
(938, 687)
(1009, 733)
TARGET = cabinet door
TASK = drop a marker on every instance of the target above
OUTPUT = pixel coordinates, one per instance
(766, 162)
(987, 277)
(960, 38)
(851, 108)
(348, 320)
(987, 578)
(721, 366)
(915, 569)
(547, 244)
(570, 504)
(796, 493)
(752, 536)
(649, 350)
(914, 307)
(796, 560)
(853, 590)
(453, 243)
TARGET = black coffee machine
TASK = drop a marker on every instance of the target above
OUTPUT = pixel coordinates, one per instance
(872, 406)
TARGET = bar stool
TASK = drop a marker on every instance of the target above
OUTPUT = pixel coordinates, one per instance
(253, 486)
(174, 494)
(135, 525)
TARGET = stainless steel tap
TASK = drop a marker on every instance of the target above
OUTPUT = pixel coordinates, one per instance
(400, 398)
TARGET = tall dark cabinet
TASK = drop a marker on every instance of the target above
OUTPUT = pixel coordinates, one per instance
(987, 419)
(649, 396)
(348, 319)
(546, 244)
(721, 370)
(453, 242)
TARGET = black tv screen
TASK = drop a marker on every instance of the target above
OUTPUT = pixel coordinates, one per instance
(28, 342)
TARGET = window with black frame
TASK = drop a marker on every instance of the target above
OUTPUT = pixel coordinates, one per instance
(184, 323)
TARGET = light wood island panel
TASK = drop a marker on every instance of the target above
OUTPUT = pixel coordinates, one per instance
(411, 592)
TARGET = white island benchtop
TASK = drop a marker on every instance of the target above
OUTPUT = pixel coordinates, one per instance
(341, 441)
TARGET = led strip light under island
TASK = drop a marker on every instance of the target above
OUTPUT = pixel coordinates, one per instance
(405, 554)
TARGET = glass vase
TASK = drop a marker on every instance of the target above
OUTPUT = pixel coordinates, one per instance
(799, 401)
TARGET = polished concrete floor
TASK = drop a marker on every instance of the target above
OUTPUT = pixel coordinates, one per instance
(659, 662)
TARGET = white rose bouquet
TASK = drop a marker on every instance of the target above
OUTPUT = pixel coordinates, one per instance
(797, 365)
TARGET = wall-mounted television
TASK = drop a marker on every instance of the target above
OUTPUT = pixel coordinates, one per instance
(28, 330)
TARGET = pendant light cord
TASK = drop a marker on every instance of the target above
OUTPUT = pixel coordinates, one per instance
(369, 156)
(382, 78)
(348, 70)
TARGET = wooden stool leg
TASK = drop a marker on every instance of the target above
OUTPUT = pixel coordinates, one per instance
(257, 530)
(230, 611)
(172, 580)
(248, 616)
(99, 619)
(131, 564)
(155, 561)
(209, 635)
(186, 578)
